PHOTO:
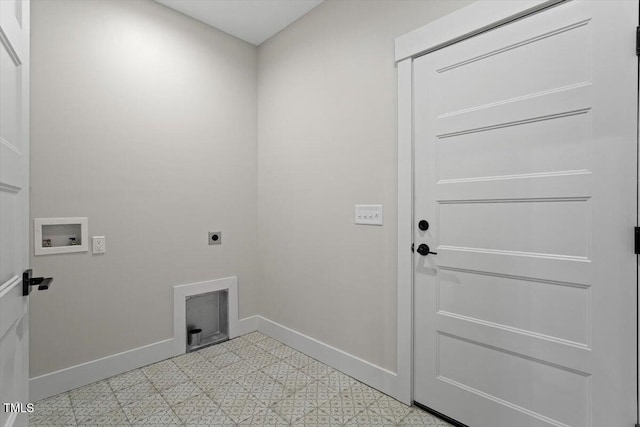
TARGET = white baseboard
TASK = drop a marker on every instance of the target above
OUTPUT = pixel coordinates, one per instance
(248, 325)
(366, 372)
(53, 383)
(57, 382)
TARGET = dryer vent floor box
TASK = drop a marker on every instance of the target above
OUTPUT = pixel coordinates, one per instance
(210, 313)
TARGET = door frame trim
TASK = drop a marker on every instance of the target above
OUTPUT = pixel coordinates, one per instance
(462, 24)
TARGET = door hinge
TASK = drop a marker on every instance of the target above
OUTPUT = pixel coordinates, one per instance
(637, 244)
(638, 41)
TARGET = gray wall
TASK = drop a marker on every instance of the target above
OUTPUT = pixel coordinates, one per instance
(144, 121)
(327, 141)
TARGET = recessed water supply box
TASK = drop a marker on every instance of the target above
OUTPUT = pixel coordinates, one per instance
(60, 235)
(207, 319)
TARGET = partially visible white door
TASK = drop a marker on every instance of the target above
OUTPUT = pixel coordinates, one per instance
(525, 170)
(14, 207)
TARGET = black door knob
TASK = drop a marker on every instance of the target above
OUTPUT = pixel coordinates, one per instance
(423, 225)
(424, 250)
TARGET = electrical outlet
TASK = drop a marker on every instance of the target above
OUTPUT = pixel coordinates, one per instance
(99, 244)
(215, 237)
(369, 214)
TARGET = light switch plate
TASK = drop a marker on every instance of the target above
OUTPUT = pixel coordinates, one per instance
(99, 244)
(369, 214)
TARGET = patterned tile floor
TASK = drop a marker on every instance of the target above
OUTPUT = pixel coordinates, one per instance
(252, 380)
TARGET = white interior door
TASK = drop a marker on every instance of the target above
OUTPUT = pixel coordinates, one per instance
(14, 207)
(525, 169)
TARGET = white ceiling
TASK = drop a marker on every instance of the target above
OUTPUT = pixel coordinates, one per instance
(253, 21)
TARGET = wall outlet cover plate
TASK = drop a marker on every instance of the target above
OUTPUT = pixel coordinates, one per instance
(99, 244)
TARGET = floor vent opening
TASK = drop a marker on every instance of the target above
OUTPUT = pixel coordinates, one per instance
(207, 319)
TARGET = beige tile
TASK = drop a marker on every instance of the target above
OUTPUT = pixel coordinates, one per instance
(52, 415)
(368, 418)
(198, 369)
(254, 337)
(317, 392)
(247, 351)
(126, 380)
(212, 351)
(163, 418)
(282, 352)
(112, 418)
(391, 409)
(160, 369)
(268, 343)
(298, 360)
(338, 381)
(52, 420)
(420, 418)
(291, 378)
(236, 402)
(263, 387)
(213, 419)
(188, 359)
(317, 418)
(53, 411)
(135, 392)
(229, 391)
(235, 344)
(192, 409)
(225, 359)
(294, 407)
(363, 393)
(343, 407)
(264, 418)
(207, 381)
(144, 408)
(168, 380)
(238, 370)
(249, 381)
(90, 392)
(317, 369)
(88, 409)
(256, 380)
(55, 402)
(262, 359)
(180, 393)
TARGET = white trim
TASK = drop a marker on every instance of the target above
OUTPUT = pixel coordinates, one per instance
(61, 381)
(405, 232)
(38, 223)
(12, 419)
(6, 287)
(466, 22)
(8, 188)
(66, 379)
(248, 325)
(180, 292)
(57, 382)
(366, 372)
